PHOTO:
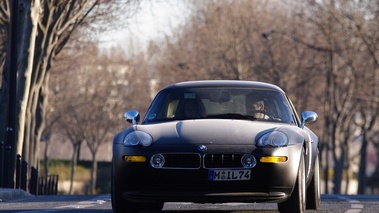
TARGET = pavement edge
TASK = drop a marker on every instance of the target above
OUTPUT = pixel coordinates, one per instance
(11, 194)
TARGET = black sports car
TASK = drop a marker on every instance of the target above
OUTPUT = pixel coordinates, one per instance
(215, 142)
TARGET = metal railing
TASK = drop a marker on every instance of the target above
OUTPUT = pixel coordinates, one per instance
(48, 185)
(36, 185)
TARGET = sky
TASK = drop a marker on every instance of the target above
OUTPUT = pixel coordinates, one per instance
(154, 19)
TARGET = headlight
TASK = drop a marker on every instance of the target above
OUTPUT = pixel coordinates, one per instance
(138, 138)
(273, 139)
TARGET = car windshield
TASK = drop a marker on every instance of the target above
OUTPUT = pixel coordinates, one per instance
(219, 103)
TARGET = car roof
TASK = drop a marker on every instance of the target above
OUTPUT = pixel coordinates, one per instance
(225, 83)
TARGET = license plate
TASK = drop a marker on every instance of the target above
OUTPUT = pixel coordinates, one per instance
(229, 175)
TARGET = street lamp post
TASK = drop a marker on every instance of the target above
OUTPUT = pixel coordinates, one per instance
(9, 156)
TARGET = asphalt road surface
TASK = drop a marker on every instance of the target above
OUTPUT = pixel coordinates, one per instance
(102, 203)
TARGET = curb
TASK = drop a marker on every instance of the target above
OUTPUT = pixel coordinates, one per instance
(11, 194)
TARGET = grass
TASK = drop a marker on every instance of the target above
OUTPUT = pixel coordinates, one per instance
(62, 168)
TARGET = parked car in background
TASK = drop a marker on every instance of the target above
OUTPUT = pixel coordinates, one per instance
(215, 142)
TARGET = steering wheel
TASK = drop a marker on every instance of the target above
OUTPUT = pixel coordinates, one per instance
(266, 116)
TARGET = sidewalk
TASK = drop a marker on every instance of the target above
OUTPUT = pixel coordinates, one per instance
(11, 194)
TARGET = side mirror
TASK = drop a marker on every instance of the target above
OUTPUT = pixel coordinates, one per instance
(308, 117)
(132, 116)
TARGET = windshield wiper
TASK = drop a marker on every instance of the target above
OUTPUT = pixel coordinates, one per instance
(233, 116)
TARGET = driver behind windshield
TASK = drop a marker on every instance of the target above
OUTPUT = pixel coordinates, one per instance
(255, 106)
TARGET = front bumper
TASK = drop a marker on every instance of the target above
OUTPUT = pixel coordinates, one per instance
(269, 182)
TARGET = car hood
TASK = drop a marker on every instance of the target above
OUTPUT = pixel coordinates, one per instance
(208, 131)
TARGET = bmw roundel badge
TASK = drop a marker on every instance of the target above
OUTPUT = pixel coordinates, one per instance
(202, 148)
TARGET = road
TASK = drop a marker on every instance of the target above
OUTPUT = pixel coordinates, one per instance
(101, 204)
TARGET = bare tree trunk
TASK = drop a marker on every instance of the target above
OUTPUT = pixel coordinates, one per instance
(74, 164)
(46, 156)
(29, 21)
(37, 101)
(46, 138)
(94, 173)
(346, 191)
(362, 180)
(328, 133)
(3, 103)
(30, 126)
(338, 171)
(40, 115)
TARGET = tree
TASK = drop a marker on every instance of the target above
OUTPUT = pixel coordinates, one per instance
(348, 56)
(225, 40)
(367, 118)
(101, 94)
(90, 94)
(66, 105)
(46, 27)
(4, 29)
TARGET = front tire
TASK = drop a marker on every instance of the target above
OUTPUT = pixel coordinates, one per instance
(313, 191)
(296, 203)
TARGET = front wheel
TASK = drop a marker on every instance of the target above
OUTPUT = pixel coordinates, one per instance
(313, 191)
(296, 203)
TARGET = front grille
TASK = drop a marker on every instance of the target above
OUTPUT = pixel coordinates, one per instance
(222, 161)
(193, 161)
(182, 160)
